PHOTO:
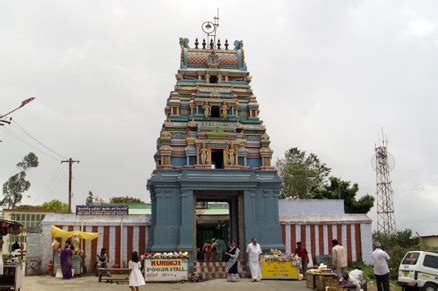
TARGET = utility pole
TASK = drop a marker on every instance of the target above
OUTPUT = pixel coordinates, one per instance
(70, 164)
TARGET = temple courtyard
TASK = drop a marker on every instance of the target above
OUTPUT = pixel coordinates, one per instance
(89, 283)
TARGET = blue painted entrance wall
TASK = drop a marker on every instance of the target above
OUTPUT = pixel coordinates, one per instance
(173, 205)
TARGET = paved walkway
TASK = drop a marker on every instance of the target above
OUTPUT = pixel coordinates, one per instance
(90, 283)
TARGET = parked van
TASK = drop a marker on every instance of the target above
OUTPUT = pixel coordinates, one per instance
(419, 269)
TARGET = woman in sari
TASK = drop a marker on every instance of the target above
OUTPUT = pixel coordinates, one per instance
(66, 265)
(232, 254)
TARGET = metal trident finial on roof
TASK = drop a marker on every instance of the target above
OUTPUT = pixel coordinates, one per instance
(210, 28)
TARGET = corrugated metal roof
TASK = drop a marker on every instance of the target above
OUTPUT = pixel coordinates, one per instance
(324, 219)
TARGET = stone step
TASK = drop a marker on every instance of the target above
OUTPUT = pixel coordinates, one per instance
(212, 270)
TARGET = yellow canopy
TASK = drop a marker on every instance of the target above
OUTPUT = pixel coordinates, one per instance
(57, 232)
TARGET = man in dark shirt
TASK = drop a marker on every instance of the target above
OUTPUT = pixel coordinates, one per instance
(302, 253)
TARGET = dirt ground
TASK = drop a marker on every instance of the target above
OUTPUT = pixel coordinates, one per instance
(89, 283)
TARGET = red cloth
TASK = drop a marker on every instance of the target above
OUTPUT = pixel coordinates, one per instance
(302, 253)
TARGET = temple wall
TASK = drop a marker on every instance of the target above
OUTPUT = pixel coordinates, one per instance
(119, 235)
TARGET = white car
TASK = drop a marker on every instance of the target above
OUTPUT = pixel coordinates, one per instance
(419, 270)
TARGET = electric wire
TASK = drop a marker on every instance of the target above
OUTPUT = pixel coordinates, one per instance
(17, 125)
(20, 139)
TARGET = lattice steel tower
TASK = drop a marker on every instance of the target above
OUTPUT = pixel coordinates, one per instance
(383, 163)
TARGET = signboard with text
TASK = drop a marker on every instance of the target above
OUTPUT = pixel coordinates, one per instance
(279, 270)
(165, 270)
(102, 210)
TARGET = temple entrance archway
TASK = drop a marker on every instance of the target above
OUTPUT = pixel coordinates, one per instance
(217, 214)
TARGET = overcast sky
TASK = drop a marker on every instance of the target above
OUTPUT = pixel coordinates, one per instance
(327, 74)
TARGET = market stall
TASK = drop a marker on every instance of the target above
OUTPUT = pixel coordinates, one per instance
(76, 238)
(321, 277)
(11, 273)
(278, 265)
(165, 267)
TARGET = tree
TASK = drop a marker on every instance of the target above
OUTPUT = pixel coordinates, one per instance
(56, 206)
(17, 184)
(339, 189)
(126, 200)
(301, 173)
(306, 177)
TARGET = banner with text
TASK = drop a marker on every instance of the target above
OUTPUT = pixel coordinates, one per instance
(102, 210)
(161, 270)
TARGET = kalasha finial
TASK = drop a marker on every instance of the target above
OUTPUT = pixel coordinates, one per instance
(226, 44)
(203, 43)
(218, 44)
(211, 44)
(196, 43)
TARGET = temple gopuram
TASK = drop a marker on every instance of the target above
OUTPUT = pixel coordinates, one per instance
(213, 149)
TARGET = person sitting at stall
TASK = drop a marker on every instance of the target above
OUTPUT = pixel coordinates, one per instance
(102, 260)
(15, 246)
(354, 280)
(66, 264)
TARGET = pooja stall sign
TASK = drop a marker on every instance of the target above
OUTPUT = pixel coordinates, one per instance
(166, 267)
(277, 265)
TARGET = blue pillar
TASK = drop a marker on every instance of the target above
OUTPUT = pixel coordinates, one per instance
(250, 215)
(167, 219)
(186, 228)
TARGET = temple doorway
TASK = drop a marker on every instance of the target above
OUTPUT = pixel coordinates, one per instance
(219, 218)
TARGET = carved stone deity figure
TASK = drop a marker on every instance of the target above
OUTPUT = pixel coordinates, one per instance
(231, 158)
(204, 155)
(225, 110)
(206, 109)
(165, 161)
(89, 198)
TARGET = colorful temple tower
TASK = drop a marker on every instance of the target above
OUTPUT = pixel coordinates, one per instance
(213, 147)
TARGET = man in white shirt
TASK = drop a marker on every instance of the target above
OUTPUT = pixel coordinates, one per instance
(254, 251)
(381, 270)
(339, 258)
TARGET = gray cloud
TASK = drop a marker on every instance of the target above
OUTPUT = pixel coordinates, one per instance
(327, 75)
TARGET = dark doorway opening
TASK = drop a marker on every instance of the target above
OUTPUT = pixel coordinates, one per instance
(215, 111)
(217, 158)
(219, 218)
(213, 79)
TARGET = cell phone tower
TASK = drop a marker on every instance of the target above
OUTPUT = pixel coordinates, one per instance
(383, 162)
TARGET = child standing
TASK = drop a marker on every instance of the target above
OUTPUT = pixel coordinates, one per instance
(135, 277)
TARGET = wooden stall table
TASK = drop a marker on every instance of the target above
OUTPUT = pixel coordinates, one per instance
(12, 277)
(310, 280)
(106, 272)
(279, 269)
(326, 279)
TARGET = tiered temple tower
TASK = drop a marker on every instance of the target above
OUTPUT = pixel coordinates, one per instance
(213, 147)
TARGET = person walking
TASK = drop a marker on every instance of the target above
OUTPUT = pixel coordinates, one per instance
(254, 251)
(339, 257)
(302, 254)
(219, 247)
(66, 264)
(135, 277)
(381, 269)
(206, 250)
(232, 254)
